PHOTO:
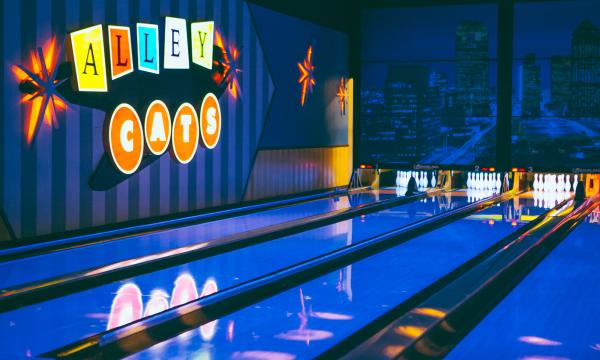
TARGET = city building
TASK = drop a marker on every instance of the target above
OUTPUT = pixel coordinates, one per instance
(438, 90)
(472, 63)
(560, 84)
(407, 105)
(585, 70)
(530, 89)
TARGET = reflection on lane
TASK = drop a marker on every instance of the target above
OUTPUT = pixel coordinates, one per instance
(377, 283)
(553, 312)
(229, 269)
(304, 333)
(127, 305)
(158, 241)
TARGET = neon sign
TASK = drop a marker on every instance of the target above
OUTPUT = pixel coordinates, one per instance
(129, 138)
(39, 84)
(342, 95)
(88, 56)
(307, 76)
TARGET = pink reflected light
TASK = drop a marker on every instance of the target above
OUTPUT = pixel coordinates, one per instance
(330, 315)
(126, 306)
(262, 355)
(230, 330)
(158, 302)
(207, 331)
(305, 335)
(185, 290)
(536, 340)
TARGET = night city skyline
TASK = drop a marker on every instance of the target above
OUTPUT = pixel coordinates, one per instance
(432, 114)
(459, 99)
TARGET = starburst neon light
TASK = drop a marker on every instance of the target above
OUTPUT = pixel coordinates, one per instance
(39, 83)
(342, 95)
(230, 63)
(307, 77)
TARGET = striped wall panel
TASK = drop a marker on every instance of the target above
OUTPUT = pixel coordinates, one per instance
(287, 171)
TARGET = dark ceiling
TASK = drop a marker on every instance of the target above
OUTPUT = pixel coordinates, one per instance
(343, 14)
(337, 14)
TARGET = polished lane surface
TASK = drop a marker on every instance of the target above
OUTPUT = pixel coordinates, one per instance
(309, 319)
(553, 313)
(51, 324)
(81, 258)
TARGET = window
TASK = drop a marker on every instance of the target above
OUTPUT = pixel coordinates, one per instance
(556, 85)
(428, 85)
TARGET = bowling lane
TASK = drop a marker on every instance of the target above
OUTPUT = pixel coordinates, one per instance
(67, 261)
(48, 325)
(309, 319)
(553, 313)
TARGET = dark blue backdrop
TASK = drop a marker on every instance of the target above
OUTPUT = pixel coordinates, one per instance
(286, 40)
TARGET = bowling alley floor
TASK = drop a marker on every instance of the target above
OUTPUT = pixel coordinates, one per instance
(371, 273)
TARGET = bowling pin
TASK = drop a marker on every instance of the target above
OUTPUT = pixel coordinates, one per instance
(398, 191)
(433, 179)
(535, 182)
(398, 179)
(560, 184)
(498, 182)
(485, 182)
